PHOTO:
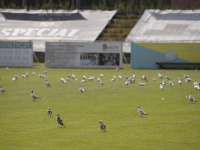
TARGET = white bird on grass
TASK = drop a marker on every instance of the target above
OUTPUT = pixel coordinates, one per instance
(81, 89)
(196, 85)
(126, 82)
(143, 77)
(186, 76)
(188, 80)
(167, 76)
(101, 75)
(33, 73)
(49, 112)
(141, 84)
(180, 81)
(134, 75)
(84, 77)
(45, 71)
(91, 78)
(15, 78)
(171, 83)
(100, 81)
(160, 76)
(191, 98)
(42, 76)
(141, 111)
(47, 83)
(162, 86)
(62, 80)
(2, 89)
(34, 96)
(119, 76)
(112, 79)
(83, 80)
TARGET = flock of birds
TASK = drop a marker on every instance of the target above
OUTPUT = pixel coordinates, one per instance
(128, 80)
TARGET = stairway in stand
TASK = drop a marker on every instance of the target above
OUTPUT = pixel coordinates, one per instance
(118, 28)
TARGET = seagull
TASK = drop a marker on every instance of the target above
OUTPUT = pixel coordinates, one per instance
(126, 82)
(162, 86)
(42, 76)
(81, 89)
(62, 80)
(100, 81)
(49, 112)
(45, 71)
(83, 80)
(33, 73)
(34, 96)
(188, 80)
(134, 75)
(196, 85)
(73, 76)
(191, 98)
(59, 121)
(143, 77)
(102, 125)
(47, 83)
(179, 81)
(26, 75)
(68, 78)
(15, 78)
(141, 111)
(23, 76)
(84, 77)
(160, 76)
(141, 84)
(186, 76)
(167, 76)
(2, 89)
(101, 75)
(171, 83)
(112, 79)
(126, 76)
(91, 78)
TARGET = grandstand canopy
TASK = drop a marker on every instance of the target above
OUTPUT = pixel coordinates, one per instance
(41, 25)
(169, 26)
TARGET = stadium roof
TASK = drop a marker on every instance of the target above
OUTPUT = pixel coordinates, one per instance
(169, 26)
(41, 25)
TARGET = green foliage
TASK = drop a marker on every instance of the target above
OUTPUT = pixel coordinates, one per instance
(173, 122)
(123, 6)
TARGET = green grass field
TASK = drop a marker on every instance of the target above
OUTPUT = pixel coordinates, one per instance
(173, 122)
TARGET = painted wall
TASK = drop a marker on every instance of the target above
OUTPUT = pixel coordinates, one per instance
(144, 55)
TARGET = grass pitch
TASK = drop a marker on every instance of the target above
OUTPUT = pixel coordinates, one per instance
(173, 122)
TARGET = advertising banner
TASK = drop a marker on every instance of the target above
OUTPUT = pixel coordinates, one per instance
(145, 55)
(16, 54)
(84, 55)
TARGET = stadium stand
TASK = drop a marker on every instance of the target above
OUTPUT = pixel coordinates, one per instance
(119, 27)
(40, 25)
(169, 26)
(166, 39)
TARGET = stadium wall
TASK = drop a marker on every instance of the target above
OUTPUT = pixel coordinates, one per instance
(145, 55)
